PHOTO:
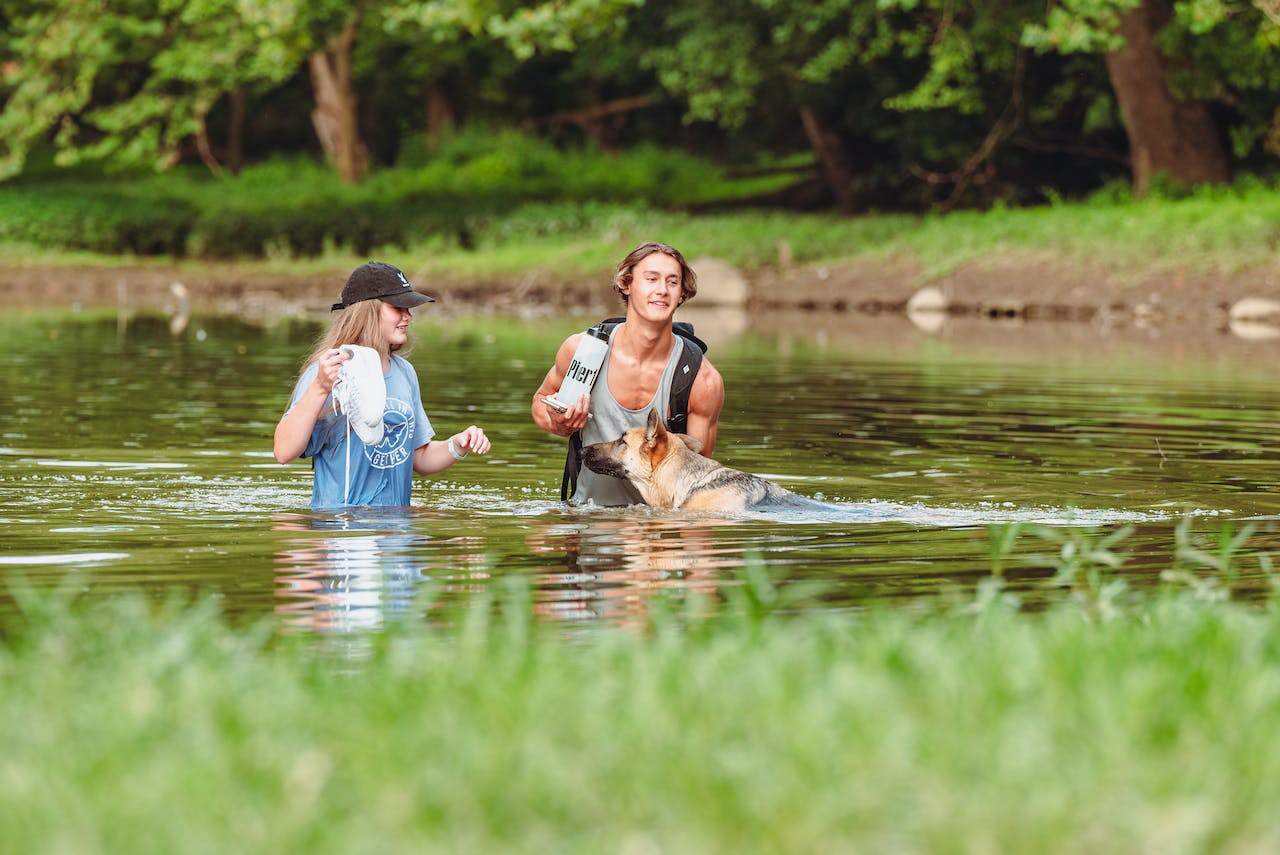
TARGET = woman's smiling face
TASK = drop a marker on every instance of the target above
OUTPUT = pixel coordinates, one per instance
(395, 325)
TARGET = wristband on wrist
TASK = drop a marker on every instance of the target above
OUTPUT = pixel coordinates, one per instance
(453, 452)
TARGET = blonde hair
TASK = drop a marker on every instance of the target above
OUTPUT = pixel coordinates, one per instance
(359, 323)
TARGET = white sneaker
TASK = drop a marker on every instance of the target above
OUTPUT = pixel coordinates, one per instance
(361, 392)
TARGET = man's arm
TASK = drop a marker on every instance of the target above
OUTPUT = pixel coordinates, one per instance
(547, 417)
(706, 399)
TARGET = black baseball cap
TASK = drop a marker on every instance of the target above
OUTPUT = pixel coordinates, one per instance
(377, 280)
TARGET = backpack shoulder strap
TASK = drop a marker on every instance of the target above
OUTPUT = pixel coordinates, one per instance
(684, 329)
(681, 385)
(572, 466)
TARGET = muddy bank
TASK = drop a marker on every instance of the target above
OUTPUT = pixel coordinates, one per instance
(1012, 297)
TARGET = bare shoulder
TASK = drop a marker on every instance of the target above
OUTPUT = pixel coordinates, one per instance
(567, 348)
(707, 394)
(555, 374)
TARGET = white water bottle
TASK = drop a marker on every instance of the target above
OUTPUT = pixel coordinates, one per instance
(582, 372)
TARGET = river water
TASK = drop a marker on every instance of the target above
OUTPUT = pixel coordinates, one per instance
(136, 458)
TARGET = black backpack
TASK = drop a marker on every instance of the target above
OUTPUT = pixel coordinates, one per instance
(677, 403)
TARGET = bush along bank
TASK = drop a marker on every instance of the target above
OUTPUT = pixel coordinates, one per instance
(299, 207)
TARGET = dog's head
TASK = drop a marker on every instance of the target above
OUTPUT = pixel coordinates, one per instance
(638, 453)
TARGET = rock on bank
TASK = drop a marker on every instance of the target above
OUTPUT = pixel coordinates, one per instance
(1023, 286)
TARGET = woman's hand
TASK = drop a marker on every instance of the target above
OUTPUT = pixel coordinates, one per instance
(437, 456)
(328, 367)
(471, 439)
(294, 430)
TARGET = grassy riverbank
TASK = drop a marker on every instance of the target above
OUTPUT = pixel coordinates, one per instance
(133, 729)
(1223, 230)
(493, 206)
(1215, 231)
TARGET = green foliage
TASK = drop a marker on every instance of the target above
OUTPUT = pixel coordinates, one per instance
(1079, 26)
(1083, 563)
(1228, 52)
(474, 184)
(558, 25)
(1191, 559)
(715, 60)
(482, 730)
(1208, 229)
(1224, 51)
(930, 101)
(951, 81)
(1087, 563)
(1219, 229)
(95, 218)
(510, 167)
(131, 81)
(525, 29)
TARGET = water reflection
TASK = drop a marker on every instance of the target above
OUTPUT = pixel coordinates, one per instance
(608, 565)
(363, 569)
(347, 572)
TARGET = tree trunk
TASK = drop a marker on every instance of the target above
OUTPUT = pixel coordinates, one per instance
(203, 147)
(1166, 135)
(235, 131)
(335, 114)
(601, 122)
(832, 158)
(440, 117)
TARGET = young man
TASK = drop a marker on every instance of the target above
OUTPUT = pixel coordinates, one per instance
(638, 372)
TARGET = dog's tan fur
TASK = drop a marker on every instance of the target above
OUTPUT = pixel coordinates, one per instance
(668, 471)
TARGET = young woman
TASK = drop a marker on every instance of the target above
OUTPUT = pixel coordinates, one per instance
(376, 308)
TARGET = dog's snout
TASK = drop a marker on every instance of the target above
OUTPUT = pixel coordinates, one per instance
(599, 460)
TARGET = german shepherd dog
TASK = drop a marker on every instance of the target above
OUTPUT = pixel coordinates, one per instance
(668, 471)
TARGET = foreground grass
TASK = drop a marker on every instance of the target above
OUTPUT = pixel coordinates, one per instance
(135, 729)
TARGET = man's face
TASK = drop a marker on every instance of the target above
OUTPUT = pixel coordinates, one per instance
(655, 288)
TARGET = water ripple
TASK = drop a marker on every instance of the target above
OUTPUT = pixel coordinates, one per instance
(73, 558)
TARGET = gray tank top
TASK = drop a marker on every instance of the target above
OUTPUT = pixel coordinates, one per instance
(608, 421)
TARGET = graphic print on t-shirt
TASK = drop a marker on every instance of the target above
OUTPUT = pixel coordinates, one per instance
(394, 448)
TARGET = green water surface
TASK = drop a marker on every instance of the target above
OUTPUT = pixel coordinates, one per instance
(135, 458)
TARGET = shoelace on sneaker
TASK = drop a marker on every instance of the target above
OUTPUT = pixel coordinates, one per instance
(361, 395)
(361, 392)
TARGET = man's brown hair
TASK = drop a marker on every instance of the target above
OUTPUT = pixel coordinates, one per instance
(622, 280)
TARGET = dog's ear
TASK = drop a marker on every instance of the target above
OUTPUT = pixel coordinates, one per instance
(694, 444)
(654, 428)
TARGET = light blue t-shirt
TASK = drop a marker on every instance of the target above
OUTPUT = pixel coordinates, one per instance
(381, 475)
